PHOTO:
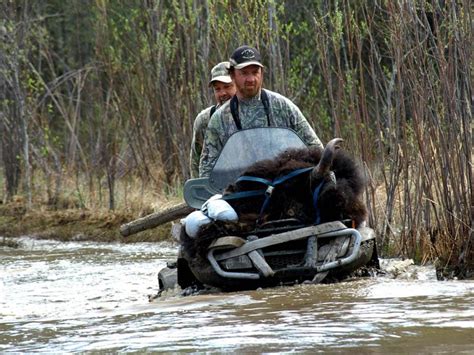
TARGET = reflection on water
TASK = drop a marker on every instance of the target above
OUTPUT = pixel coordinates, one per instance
(57, 297)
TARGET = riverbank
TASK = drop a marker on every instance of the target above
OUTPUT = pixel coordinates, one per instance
(71, 224)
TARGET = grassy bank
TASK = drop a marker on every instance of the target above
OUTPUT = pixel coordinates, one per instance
(71, 224)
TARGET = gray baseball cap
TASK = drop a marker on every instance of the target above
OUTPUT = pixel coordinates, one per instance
(221, 73)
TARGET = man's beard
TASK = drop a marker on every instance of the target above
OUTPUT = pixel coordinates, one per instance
(249, 91)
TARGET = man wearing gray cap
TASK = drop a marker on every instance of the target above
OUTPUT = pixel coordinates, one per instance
(251, 107)
(223, 89)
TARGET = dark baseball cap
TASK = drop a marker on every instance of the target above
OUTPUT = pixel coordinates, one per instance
(245, 56)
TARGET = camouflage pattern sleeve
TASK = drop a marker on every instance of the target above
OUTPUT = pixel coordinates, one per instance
(286, 114)
(199, 130)
(304, 130)
(213, 141)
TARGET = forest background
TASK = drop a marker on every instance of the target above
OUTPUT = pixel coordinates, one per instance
(98, 99)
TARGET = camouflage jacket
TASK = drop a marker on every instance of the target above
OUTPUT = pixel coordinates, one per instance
(283, 113)
(199, 130)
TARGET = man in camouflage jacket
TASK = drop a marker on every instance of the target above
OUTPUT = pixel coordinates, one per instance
(276, 110)
(223, 89)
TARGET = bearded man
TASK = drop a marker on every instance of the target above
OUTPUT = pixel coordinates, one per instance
(251, 107)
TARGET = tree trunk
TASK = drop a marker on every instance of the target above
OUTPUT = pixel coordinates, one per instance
(155, 219)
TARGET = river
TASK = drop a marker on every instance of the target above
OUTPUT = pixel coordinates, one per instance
(92, 297)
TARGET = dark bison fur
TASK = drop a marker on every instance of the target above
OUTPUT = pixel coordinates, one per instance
(293, 199)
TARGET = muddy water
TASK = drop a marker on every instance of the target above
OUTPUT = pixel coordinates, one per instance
(81, 297)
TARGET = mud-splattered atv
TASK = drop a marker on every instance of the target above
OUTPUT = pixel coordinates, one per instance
(277, 252)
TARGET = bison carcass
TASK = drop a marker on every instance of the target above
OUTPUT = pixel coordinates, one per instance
(332, 190)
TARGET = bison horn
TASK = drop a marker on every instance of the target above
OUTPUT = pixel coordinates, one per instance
(325, 163)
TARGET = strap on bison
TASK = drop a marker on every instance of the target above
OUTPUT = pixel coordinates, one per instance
(271, 185)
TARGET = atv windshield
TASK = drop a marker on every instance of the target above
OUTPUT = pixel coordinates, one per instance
(248, 146)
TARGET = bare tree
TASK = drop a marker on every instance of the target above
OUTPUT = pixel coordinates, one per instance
(14, 127)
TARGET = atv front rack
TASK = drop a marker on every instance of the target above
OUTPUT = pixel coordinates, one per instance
(342, 246)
